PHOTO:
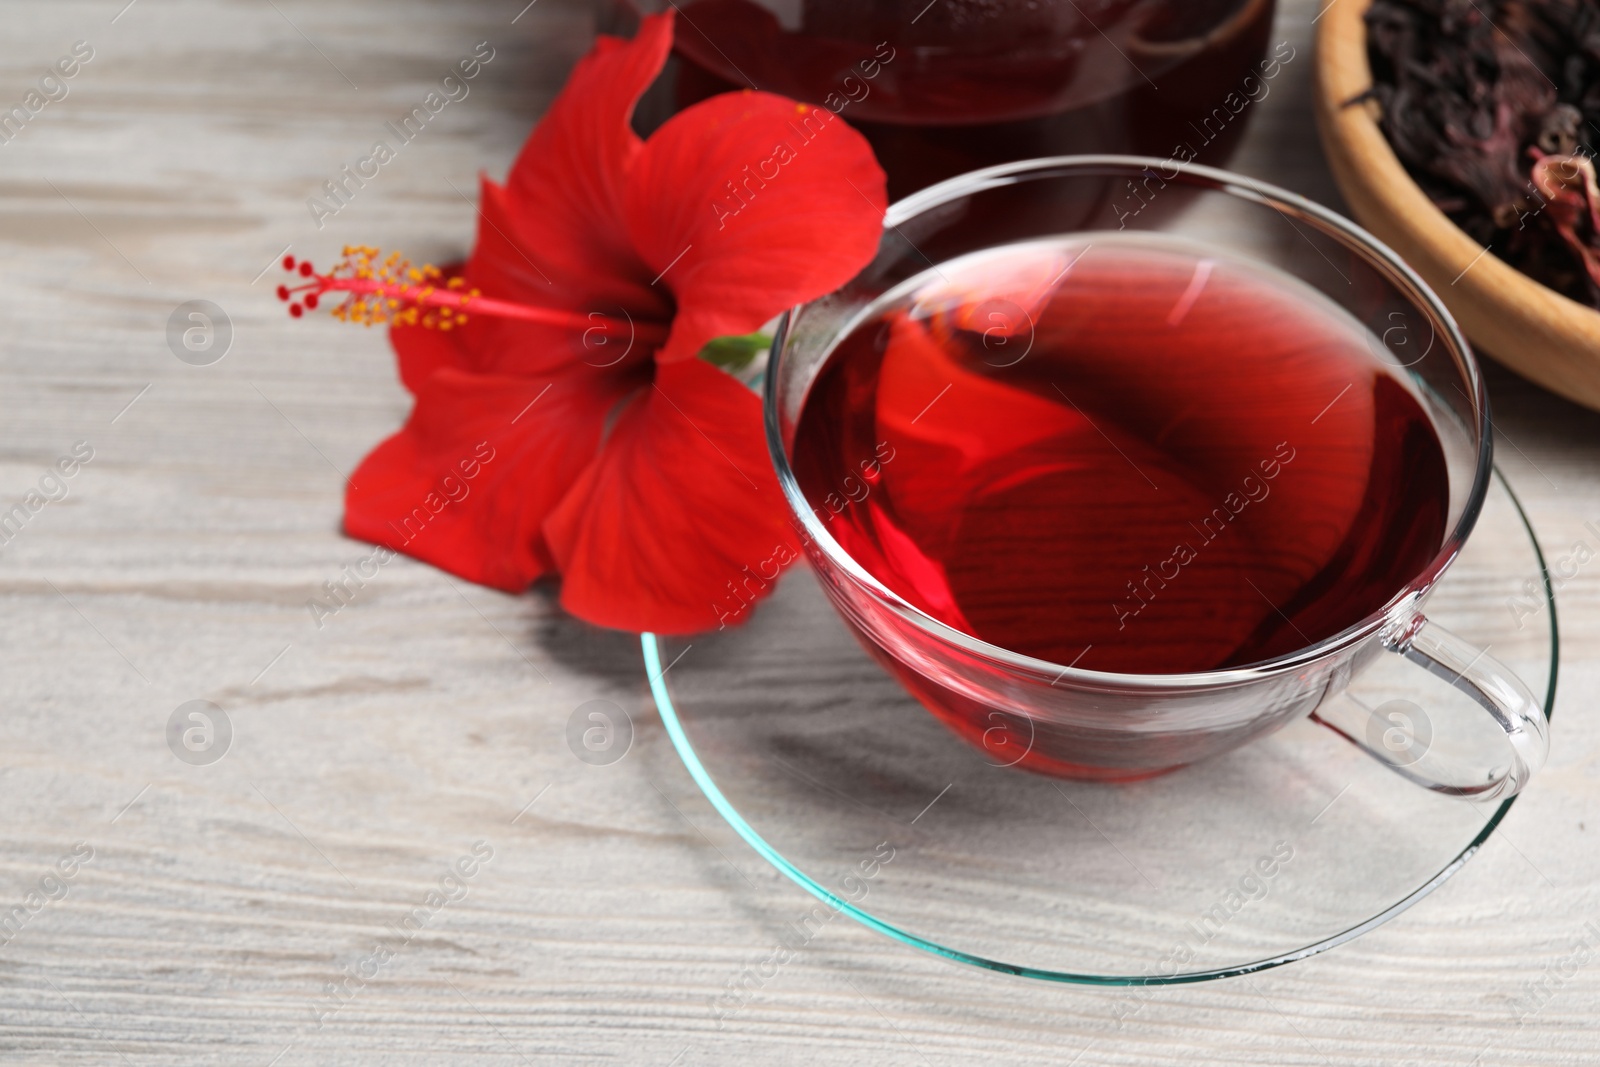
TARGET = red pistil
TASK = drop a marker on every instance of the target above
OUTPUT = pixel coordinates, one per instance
(391, 290)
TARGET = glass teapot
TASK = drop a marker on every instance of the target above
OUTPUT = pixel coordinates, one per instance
(945, 86)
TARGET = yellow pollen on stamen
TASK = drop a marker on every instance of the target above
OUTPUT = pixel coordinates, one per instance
(375, 289)
(393, 290)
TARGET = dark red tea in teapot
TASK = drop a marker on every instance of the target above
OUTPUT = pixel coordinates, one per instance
(959, 85)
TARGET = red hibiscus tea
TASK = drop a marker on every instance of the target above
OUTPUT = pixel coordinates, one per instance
(950, 87)
(1125, 455)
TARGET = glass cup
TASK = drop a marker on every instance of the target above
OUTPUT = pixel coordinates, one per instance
(1081, 723)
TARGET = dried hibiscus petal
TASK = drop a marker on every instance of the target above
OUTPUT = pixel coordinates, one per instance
(1471, 91)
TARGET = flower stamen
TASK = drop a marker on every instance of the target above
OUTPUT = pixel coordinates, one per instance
(388, 290)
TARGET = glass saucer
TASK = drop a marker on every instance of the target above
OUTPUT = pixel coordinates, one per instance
(1278, 851)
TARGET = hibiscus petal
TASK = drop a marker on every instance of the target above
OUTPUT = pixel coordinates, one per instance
(565, 188)
(503, 265)
(420, 352)
(467, 482)
(679, 523)
(747, 204)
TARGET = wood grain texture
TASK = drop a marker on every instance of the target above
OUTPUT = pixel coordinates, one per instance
(1549, 337)
(370, 754)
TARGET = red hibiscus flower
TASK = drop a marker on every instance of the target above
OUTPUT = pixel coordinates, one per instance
(563, 422)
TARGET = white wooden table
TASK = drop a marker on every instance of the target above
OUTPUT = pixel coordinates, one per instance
(222, 900)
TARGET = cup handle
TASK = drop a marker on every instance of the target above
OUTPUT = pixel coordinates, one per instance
(1488, 682)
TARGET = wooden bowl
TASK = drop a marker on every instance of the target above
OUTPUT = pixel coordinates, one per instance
(1534, 330)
